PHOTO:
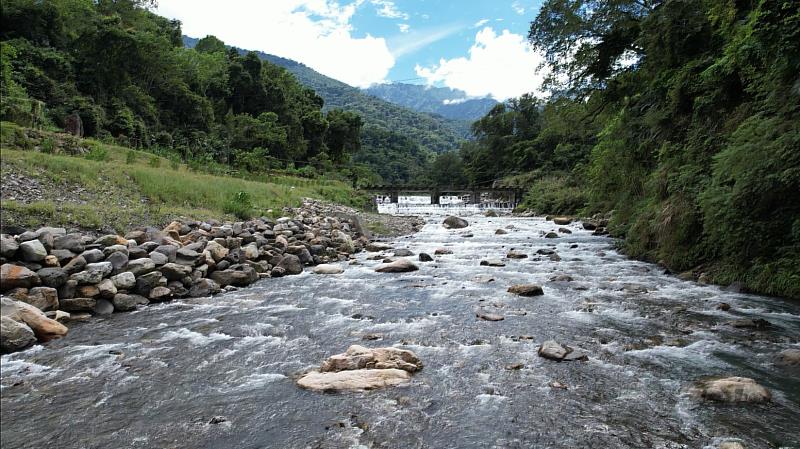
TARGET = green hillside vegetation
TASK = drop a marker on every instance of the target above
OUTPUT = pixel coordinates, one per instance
(683, 118)
(125, 72)
(93, 185)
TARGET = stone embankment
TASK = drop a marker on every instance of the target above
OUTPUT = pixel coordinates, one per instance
(50, 276)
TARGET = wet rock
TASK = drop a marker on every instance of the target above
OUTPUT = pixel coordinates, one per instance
(398, 266)
(204, 287)
(516, 255)
(328, 269)
(291, 264)
(724, 306)
(551, 235)
(125, 303)
(564, 231)
(500, 232)
(240, 276)
(52, 277)
(8, 247)
(562, 221)
(483, 279)
(375, 247)
(442, 251)
(526, 290)
(94, 273)
(160, 294)
(277, 272)
(487, 316)
(77, 304)
(758, 323)
(490, 213)
(15, 335)
(141, 266)
(402, 253)
(103, 307)
(492, 263)
(32, 251)
(732, 389)
(545, 252)
(425, 257)
(515, 366)
(15, 276)
(175, 272)
(363, 379)
(43, 298)
(731, 445)
(561, 278)
(453, 222)
(788, 357)
(93, 255)
(359, 357)
(75, 265)
(589, 225)
(44, 328)
(553, 350)
(372, 337)
(124, 281)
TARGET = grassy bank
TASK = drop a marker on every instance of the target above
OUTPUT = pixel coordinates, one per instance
(120, 188)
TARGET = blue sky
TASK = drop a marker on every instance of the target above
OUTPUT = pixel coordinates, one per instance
(476, 46)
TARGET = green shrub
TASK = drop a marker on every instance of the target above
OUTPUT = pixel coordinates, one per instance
(239, 205)
(174, 161)
(130, 157)
(155, 161)
(48, 145)
(97, 153)
(555, 195)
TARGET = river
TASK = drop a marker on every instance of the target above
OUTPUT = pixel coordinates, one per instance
(158, 377)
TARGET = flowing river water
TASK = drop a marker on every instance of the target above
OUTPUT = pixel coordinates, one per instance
(157, 377)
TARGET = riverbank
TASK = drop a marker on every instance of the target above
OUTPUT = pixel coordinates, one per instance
(51, 276)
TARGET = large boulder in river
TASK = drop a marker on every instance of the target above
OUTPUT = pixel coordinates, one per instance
(453, 222)
(788, 357)
(526, 290)
(363, 368)
(15, 335)
(359, 357)
(732, 389)
(398, 266)
(562, 221)
(16, 276)
(44, 328)
(553, 350)
(363, 379)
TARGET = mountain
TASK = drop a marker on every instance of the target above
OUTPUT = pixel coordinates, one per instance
(449, 103)
(433, 133)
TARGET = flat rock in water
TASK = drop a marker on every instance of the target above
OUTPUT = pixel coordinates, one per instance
(486, 316)
(375, 247)
(492, 263)
(402, 253)
(788, 357)
(442, 251)
(398, 266)
(732, 389)
(328, 269)
(553, 350)
(516, 255)
(362, 379)
(453, 222)
(526, 290)
(758, 323)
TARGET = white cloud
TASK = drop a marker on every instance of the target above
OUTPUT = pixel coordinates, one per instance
(317, 33)
(518, 8)
(388, 9)
(455, 101)
(404, 27)
(480, 23)
(501, 65)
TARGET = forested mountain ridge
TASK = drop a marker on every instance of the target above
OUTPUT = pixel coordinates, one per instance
(450, 103)
(433, 133)
(123, 73)
(683, 118)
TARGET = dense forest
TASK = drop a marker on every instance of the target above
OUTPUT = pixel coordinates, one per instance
(126, 73)
(681, 117)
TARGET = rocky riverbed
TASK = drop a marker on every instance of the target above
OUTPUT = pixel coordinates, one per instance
(50, 276)
(470, 345)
